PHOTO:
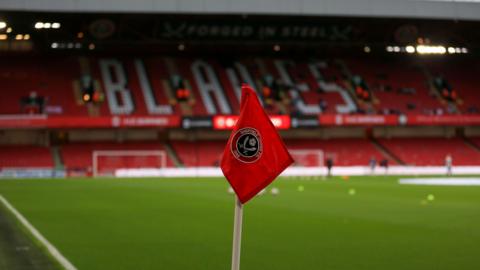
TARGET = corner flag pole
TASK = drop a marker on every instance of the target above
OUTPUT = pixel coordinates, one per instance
(237, 234)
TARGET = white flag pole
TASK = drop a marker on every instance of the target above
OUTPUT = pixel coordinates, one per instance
(237, 234)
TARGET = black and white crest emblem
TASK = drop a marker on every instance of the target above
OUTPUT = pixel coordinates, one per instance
(246, 145)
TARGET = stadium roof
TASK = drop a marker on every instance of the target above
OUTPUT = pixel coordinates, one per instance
(434, 9)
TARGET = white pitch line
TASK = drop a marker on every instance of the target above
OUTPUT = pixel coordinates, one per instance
(51, 248)
(456, 181)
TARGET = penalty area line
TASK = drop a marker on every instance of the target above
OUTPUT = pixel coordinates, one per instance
(51, 248)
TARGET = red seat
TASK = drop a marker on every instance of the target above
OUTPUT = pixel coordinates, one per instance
(432, 151)
(200, 153)
(25, 157)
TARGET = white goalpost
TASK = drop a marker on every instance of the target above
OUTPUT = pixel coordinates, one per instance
(109, 162)
(308, 158)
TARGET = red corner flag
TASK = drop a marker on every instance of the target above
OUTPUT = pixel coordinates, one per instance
(255, 154)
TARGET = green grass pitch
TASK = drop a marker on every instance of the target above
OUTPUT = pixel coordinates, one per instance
(187, 224)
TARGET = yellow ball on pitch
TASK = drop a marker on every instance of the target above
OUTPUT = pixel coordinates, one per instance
(430, 197)
(301, 188)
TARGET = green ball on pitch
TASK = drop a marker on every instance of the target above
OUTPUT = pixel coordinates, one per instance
(430, 197)
(352, 191)
(301, 188)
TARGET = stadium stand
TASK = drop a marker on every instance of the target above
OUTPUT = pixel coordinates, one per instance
(432, 151)
(16, 156)
(200, 153)
(397, 86)
(317, 95)
(22, 76)
(475, 141)
(400, 87)
(462, 80)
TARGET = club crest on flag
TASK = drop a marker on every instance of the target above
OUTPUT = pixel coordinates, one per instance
(255, 153)
(246, 145)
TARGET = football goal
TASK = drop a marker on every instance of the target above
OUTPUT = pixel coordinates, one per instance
(308, 158)
(107, 163)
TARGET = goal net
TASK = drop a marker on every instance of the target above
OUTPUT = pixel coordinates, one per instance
(107, 163)
(308, 158)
